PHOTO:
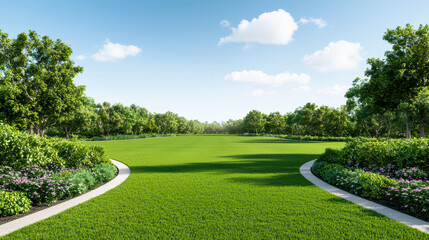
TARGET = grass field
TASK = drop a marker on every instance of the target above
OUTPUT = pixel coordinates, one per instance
(216, 187)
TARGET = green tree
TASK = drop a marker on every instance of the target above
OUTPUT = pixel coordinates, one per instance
(36, 82)
(254, 121)
(275, 123)
(421, 105)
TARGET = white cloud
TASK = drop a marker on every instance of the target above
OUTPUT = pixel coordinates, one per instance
(80, 57)
(275, 27)
(318, 21)
(303, 88)
(225, 23)
(334, 90)
(260, 78)
(260, 92)
(113, 51)
(337, 56)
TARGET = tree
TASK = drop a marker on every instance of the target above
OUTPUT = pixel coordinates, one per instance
(254, 121)
(108, 121)
(421, 104)
(36, 82)
(275, 123)
(167, 122)
(404, 71)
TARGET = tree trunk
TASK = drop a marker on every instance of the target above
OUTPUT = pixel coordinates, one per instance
(407, 129)
(67, 132)
(38, 130)
(422, 130)
(388, 132)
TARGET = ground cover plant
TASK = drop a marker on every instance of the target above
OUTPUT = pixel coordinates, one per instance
(394, 172)
(217, 187)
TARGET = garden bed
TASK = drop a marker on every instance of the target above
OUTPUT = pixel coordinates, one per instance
(35, 171)
(393, 173)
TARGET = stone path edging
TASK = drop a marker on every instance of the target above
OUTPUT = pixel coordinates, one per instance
(123, 172)
(388, 212)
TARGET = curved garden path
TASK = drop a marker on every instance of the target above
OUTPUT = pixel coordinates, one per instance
(217, 187)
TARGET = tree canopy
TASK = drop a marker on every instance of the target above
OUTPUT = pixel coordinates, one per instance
(36, 82)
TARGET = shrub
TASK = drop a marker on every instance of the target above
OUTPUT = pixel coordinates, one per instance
(411, 196)
(335, 175)
(75, 153)
(403, 153)
(332, 156)
(326, 168)
(315, 138)
(18, 149)
(81, 181)
(374, 186)
(317, 167)
(357, 181)
(103, 172)
(35, 182)
(13, 203)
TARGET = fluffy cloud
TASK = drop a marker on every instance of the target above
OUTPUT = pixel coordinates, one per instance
(113, 51)
(260, 92)
(80, 57)
(275, 27)
(303, 88)
(225, 23)
(334, 90)
(318, 21)
(337, 56)
(260, 78)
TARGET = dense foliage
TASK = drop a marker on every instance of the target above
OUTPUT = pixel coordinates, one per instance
(12, 203)
(394, 171)
(46, 185)
(36, 82)
(18, 149)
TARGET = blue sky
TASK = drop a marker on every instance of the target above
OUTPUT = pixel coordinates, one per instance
(167, 56)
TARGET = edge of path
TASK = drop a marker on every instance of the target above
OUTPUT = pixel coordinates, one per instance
(413, 222)
(123, 172)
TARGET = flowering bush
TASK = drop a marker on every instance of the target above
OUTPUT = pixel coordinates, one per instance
(36, 183)
(396, 171)
(45, 185)
(392, 171)
(412, 196)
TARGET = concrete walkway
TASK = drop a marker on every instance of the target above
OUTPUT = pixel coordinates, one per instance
(388, 212)
(123, 172)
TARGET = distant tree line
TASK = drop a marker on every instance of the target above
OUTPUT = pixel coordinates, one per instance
(37, 94)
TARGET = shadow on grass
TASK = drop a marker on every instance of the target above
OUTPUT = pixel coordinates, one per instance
(283, 169)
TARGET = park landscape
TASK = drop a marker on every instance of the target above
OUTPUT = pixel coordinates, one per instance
(237, 178)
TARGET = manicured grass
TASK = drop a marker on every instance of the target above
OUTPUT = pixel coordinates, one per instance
(217, 187)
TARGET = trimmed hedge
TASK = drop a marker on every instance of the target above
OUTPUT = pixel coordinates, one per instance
(13, 203)
(399, 152)
(18, 149)
(315, 138)
(126, 137)
(304, 138)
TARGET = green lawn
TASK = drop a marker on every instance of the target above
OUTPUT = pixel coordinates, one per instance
(216, 187)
